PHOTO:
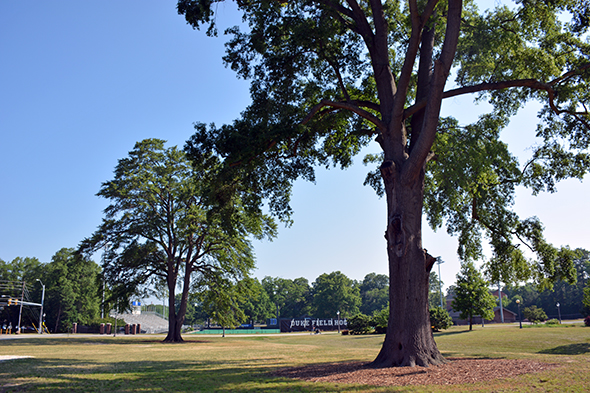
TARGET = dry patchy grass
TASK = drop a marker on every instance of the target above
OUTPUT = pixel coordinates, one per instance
(143, 363)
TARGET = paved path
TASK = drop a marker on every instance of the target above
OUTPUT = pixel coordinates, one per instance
(12, 357)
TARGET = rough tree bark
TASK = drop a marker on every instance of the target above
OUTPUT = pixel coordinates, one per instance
(408, 340)
(174, 327)
(176, 318)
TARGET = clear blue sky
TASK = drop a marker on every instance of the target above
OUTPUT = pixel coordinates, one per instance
(82, 81)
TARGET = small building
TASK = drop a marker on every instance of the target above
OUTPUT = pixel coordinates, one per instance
(509, 316)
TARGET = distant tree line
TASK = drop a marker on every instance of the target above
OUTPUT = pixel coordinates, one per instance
(536, 303)
(569, 296)
(276, 297)
(74, 293)
(72, 290)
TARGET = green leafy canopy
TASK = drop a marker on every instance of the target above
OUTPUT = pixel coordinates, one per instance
(329, 77)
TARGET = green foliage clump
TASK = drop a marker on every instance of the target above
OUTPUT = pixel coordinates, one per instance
(534, 314)
(290, 298)
(335, 292)
(440, 319)
(586, 297)
(587, 321)
(552, 322)
(359, 324)
(374, 291)
(72, 290)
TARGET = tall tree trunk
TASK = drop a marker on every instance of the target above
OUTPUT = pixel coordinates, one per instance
(176, 318)
(174, 324)
(409, 340)
(57, 319)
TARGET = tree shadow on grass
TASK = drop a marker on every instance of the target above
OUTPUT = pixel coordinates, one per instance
(56, 375)
(95, 340)
(571, 349)
(440, 334)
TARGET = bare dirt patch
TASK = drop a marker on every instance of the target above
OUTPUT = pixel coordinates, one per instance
(455, 371)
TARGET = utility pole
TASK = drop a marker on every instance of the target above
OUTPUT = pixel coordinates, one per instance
(20, 313)
(41, 313)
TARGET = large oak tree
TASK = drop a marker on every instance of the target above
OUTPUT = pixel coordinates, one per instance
(331, 76)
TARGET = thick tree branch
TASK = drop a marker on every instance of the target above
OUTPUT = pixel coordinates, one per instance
(341, 10)
(408, 66)
(339, 7)
(381, 28)
(345, 105)
(424, 77)
(428, 10)
(340, 79)
(442, 67)
(530, 83)
(363, 26)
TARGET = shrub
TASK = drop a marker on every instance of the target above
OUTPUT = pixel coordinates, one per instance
(587, 321)
(359, 324)
(379, 320)
(534, 314)
(440, 319)
(552, 322)
(345, 332)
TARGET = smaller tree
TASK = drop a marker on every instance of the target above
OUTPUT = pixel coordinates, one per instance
(20, 269)
(434, 291)
(472, 296)
(440, 319)
(169, 224)
(256, 303)
(534, 314)
(221, 300)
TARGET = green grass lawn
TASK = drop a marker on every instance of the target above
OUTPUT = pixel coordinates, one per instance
(205, 363)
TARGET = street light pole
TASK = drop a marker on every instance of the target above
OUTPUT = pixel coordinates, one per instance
(519, 318)
(338, 313)
(501, 306)
(41, 313)
(439, 261)
(558, 312)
